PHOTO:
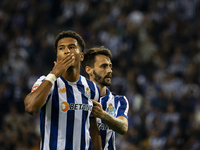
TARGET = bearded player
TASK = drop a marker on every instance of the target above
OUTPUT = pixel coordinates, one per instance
(112, 110)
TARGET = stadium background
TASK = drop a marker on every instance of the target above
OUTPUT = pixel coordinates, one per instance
(156, 49)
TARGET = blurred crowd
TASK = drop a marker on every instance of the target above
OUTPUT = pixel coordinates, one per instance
(156, 54)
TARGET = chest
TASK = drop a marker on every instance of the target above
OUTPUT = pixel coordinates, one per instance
(109, 105)
(72, 97)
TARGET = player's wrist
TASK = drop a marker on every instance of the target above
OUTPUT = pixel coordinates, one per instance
(103, 115)
(51, 77)
(55, 73)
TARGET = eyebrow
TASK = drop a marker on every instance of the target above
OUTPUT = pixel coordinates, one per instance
(67, 45)
(106, 64)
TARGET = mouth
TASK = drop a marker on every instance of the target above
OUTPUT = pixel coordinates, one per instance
(108, 77)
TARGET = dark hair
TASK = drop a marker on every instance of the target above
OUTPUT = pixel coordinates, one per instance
(90, 54)
(72, 34)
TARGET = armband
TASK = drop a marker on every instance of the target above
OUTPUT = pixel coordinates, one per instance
(51, 77)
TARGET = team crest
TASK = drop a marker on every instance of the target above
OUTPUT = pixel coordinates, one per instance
(87, 92)
(110, 109)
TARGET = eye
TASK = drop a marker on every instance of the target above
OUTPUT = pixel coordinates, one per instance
(61, 48)
(104, 66)
(71, 47)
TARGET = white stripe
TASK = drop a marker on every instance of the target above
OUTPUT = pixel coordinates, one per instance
(113, 139)
(108, 134)
(84, 82)
(62, 120)
(96, 93)
(47, 124)
(118, 105)
(77, 119)
(87, 133)
(127, 107)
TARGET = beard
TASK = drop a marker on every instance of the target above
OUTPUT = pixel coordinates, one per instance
(101, 80)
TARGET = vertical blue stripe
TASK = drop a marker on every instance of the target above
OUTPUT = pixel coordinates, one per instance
(104, 103)
(123, 105)
(90, 147)
(103, 137)
(110, 143)
(70, 118)
(42, 122)
(84, 114)
(116, 100)
(83, 140)
(54, 119)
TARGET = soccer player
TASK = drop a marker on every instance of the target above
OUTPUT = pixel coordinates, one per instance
(112, 110)
(63, 98)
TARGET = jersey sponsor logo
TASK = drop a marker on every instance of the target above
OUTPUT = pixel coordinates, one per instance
(34, 88)
(87, 92)
(64, 107)
(110, 109)
(103, 126)
(62, 90)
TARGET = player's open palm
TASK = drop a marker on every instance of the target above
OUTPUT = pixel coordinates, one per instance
(62, 65)
(97, 110)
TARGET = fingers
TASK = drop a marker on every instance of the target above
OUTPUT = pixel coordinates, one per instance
(63, 64)
(95, 103)
(68, 58)
(67, 61)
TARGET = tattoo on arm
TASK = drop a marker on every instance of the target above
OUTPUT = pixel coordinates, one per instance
(115, 124)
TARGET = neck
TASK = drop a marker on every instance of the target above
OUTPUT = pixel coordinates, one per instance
(72, 74)
(103, 89)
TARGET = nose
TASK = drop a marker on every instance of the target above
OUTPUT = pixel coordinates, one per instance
(67, 50)
(110, 70)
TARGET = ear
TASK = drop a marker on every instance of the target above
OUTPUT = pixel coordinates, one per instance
(88, 70)
(81, 56)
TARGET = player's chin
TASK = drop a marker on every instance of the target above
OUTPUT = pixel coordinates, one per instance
(107, 83)
(71, 67)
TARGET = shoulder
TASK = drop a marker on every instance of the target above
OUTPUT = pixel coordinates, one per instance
(116, 96)
(120, 98)
(37, 83)
(91, 86)
(88, 82)
(41, 78)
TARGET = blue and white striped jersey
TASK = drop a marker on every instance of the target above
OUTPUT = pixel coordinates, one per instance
(64, 119)
(116, 106)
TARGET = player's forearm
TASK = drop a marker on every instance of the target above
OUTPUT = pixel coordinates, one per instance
(115, 124)
(95, 135)
(34, 101)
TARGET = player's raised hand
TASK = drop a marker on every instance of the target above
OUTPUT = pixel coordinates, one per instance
(62, 65)
(97, 110)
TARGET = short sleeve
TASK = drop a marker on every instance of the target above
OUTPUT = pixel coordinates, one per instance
(38, 83)
(123, 107)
